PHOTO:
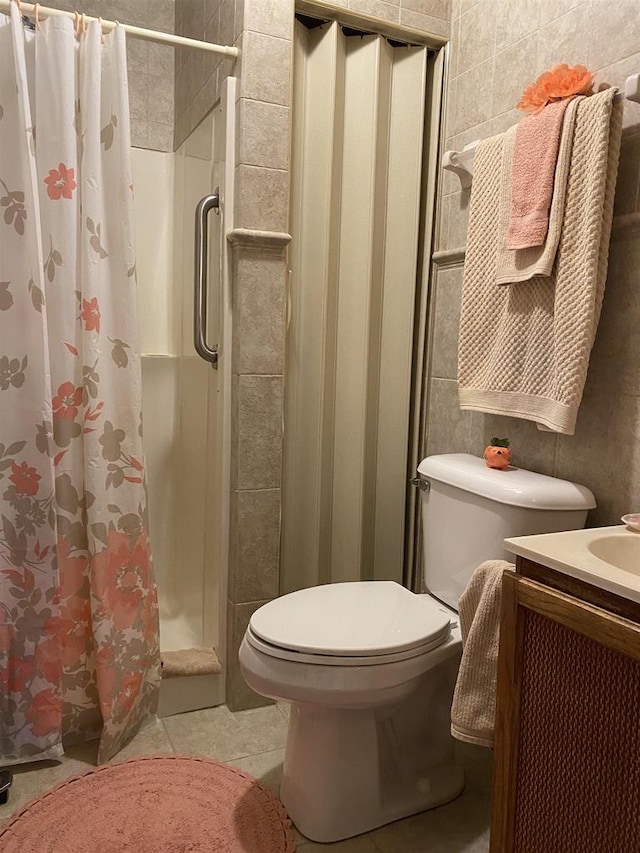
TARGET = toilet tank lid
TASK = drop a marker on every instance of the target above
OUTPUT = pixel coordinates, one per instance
(514, 486)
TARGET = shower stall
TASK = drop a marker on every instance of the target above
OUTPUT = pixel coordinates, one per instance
(186, 400)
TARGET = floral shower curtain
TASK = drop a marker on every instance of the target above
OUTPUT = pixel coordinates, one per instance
(78, 608)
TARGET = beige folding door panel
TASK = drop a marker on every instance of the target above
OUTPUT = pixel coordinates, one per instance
(356, 164)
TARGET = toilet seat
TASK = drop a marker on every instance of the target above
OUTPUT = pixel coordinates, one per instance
(336, 660)
(350, 624)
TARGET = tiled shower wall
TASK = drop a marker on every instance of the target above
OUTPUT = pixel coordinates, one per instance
(497, 48)
(263, 30)
(151, 66)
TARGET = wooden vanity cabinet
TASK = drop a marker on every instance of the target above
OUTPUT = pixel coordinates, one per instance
(567, 738)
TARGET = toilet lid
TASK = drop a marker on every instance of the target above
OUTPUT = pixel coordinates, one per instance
(352, 619)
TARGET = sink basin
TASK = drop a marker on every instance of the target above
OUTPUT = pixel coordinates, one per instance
(619, 550)
(606, 557)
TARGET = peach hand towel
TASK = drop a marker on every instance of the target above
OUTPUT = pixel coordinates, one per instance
(524, 264)
(474, 700)
(534, 164)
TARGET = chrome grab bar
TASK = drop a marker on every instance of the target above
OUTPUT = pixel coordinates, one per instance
(210, 354)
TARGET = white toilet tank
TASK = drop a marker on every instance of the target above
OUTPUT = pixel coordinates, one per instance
(468, 510)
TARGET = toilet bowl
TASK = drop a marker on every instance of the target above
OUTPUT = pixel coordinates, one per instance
(369, 667)
(362, 748)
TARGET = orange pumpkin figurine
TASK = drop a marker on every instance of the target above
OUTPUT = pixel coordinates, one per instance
(498, 453)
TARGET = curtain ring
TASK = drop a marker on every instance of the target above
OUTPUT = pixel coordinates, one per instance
(101, 31)
(37, 11)
(84, 25)
(76, 23)
(19, 5)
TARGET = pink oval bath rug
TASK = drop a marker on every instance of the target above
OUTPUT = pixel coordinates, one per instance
(161, 804)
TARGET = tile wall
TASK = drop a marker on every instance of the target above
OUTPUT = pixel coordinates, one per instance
(151, 66)
(431, 16)
(497, 48)
(262, 29)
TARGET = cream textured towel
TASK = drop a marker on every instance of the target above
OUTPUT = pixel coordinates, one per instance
(522, 264)
(523, 351)
(535, 155)
(474, 701)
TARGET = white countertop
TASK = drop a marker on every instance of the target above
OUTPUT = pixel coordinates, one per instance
(606, 557)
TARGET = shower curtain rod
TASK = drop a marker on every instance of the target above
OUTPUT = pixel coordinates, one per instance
(137, 32)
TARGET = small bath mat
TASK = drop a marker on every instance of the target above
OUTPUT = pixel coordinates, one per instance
(164, 804)
(190, 662)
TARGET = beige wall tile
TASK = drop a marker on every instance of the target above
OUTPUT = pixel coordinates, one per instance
(199, 74)
(238, 18)
(239, 695)
(477, 36)
(193, 18)
(548, 10)
(451, 100)
(450, 181)
(259, 332)
(259, 435)
(235, 421)
(263, 134)
(139, 97)
(161, 59)
(515, 20)
(265, 68)
(254, 570)
(139, 133)
(448, 429)
(515, 67)
(426, 23)
(615, 29)
(532, 448)
(466, 5)
(377, 9)
(444, 363)
(262, 198)
(473, 101)
(615, 359)
(137, 56)
(503, 122)
(458, 215)
(271, 17)
(566, 39)
(626, 200)
(160, 100)
(163, 14)
(604, 454)
(433, 8)
(160, 136)
(226, 18)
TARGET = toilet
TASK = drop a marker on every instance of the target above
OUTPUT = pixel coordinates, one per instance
(369, 667)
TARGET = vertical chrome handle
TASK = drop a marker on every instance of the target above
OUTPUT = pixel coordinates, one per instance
(210, 354)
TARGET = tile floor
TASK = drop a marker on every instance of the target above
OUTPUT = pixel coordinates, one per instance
(254, 741)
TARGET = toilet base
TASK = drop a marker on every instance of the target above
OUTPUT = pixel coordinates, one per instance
(347, 771)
